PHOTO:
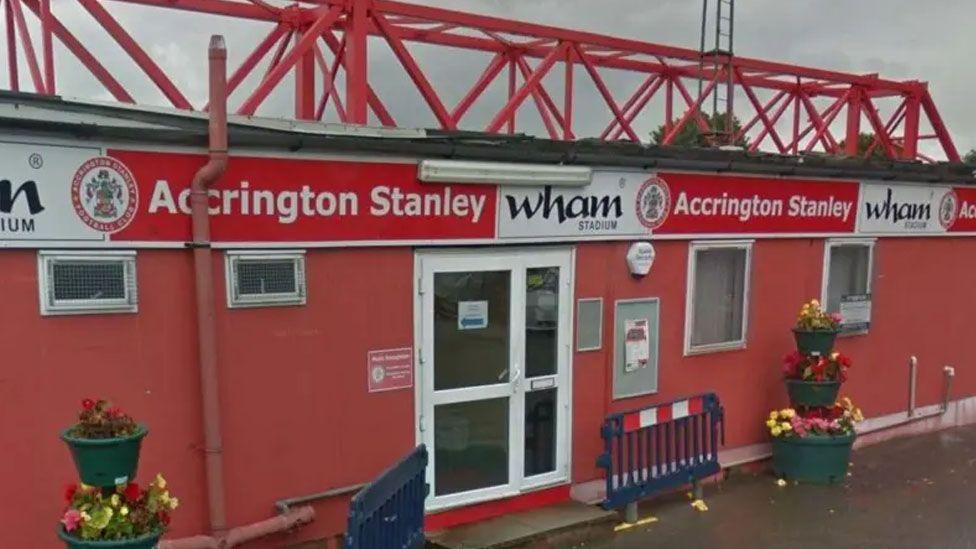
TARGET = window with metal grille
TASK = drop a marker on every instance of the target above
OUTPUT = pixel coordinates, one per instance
(87, 282)
(265, 278)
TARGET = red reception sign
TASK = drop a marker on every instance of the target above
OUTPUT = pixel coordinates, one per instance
(389, 369)
(708, 204)
(302, 200)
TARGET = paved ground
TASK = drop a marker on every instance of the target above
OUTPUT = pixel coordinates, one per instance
(910, 493)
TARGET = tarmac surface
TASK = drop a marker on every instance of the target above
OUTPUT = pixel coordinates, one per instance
(909, 493)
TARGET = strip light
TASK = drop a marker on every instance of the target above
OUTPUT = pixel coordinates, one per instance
(502, 173)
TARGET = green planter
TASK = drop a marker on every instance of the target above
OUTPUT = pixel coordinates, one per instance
(815, 459)
(106, 462)
(812, 393)
(148, 541)
(815, 342)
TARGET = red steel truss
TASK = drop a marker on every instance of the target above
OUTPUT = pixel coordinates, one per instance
(784, 108)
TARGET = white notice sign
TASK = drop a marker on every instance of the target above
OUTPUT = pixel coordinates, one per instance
(637, 349)
(855, 310)
(472, 315)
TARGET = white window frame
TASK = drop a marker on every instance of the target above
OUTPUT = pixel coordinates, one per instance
(51, 307)
(298, 297)
(701, 245)
(831, 243)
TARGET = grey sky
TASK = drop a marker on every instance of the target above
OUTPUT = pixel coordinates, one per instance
(900, 39)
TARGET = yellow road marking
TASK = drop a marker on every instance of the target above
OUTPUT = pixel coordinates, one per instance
(625, 525)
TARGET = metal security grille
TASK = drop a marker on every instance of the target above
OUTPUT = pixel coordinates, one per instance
(73, 280)
(270, 278)
(266, 277)
(77, 283)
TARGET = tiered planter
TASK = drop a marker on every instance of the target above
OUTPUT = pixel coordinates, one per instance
(812, 393)
(815, 342)
(815, 459)
(106, 462)
(145, 542)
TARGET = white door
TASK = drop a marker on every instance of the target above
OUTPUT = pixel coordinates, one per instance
(493, 371)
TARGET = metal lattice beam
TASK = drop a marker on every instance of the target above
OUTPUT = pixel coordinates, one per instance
(786, 109)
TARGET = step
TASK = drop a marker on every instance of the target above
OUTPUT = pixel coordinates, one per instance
(565, 524)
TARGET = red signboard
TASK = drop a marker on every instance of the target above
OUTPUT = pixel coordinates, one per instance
(389, 369)
(965, 217)
(713, 204)
(302, 200)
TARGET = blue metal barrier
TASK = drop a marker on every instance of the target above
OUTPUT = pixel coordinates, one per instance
(389, 512)
(660, 448)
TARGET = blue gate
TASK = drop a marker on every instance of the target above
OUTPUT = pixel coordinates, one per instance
(659, 448)
(389, 512)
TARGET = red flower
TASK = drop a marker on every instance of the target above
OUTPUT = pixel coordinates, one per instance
(69, 492)
(87, 404)
(132, 492)
(163, 517)
(113, 412)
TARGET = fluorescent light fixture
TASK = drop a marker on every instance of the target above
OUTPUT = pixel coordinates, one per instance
(503, 173)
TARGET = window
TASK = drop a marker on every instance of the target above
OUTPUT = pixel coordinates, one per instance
(87, 282)
(847, 279)
(718, 296)
(589, 324)
(257, 279)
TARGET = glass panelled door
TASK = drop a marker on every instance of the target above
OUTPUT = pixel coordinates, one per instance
(493, 349)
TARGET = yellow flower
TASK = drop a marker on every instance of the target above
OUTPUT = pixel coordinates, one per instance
(787, 427)
(84, 487)
(164, 497)
(174, 503)
(124, 511)
(85, 516)
(699, 505)
(858, 416)
(776, 430)
(160, 481)
(114, 500)
(834, 355)
(788, 413)
(773, 415)
(771, 423)
(814, 303)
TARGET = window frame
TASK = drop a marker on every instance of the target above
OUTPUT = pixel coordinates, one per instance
(49, 306)
(703, 245)
(298, 297)
(831, 243)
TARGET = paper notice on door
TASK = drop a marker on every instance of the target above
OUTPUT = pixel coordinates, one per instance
(636, 344)
(472, 315)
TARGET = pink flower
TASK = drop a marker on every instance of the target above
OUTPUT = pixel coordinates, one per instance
(836, 317)
(71, 520)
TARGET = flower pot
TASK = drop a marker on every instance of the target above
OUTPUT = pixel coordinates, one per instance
(149, 541)
(815, 342)
(812, 393)
(106, 462)
(815, 459)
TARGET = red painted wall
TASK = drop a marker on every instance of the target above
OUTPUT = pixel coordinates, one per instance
(296, 414)
(921, 301)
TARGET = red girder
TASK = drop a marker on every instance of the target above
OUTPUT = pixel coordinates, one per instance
(814, 98)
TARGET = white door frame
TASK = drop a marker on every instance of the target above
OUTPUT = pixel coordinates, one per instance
(516, 260)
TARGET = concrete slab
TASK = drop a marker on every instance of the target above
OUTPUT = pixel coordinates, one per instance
(562, 525)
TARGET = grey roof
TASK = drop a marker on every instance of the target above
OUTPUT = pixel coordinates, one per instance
(56, 116)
